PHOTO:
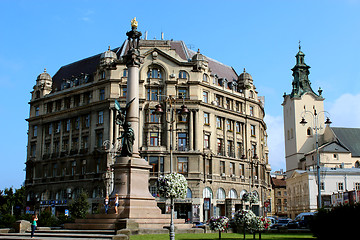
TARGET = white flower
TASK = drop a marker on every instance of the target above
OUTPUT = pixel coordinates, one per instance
(218, 223)
(172, 185)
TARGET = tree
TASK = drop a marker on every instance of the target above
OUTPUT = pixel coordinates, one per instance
(80, 206)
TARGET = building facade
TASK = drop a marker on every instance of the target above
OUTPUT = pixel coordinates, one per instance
(308, 137)
(220, 146)
(279, 196)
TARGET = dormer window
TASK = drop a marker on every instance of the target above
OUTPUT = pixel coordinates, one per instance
(102, 75)
(205, 78)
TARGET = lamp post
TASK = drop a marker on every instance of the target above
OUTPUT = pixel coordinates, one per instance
(316, 127)
(251, 157)
(184, 111)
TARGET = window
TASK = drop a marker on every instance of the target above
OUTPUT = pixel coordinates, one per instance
(83, 167)
(87, 97)
(33, 150)
(220, 193)
(154, 73)
(65, 145)
(125, 73)
(229, 125)
(218, 122)
(154, 118)
(182, 141)
(99, 139)
(182, 74)
(37, 109)
(251, 111)
(232, 168)
(230, 146)
(205, 97)
(153, 94)
(357, 186)
(49, 107)
(205, 78)
(54, 170)
(253, 130)
(123, 91)
(237, 106)
(228, 104)
(47, 148)
(84, 142)
(335, 156)
(35, 128)
(242, 169)
(87, 121)
(154, 139)
(75, 143)
(220, 146)
(182, 93)
(253, 149)
(58, 127)
(206, 141)
(102, 75)
(188, 193)
(98, 165)
(219, 100)
(322, 186)
(222, 167)
(73, 168)
(251, 94)
(182, 164)
(77, 123)
(308, 132)
(76, 100)
(206, 118)
(67, 102)
(58, 105)
(67, 125)
(238, 127)
(56, 147)
(102, 94)
(100, 117)
(340, 186)
(239, 149)
(50, 129)
(154, 162)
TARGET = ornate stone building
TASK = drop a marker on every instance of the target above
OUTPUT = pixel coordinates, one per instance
(220, 146)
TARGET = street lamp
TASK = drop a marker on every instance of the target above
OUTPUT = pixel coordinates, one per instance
(316, 127)
(252, 158)
(183, 112)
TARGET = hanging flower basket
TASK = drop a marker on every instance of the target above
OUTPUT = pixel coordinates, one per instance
(173, 185)
(250, 197)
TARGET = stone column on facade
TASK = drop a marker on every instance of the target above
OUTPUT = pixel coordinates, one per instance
(225, 138)
(111, 126)
(191, 130)
(197, 134)
(141, 132)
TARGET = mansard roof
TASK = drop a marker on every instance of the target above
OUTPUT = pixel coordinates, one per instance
(89, 65)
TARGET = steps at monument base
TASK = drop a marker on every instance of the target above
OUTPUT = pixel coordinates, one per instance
(62, 234)
(90, 226)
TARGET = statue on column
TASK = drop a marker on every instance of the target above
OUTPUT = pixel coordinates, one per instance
(128, 137)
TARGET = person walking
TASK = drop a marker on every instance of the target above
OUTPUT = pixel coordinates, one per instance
(116, 203)
(106, 204)
(33, 225)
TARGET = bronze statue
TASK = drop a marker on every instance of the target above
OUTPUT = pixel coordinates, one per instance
(128, 136)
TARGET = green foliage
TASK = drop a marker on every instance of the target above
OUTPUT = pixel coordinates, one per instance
(12, 201)
(64, 219)
(80, 206)
(337, 223)
(7, 220)
(46, 219)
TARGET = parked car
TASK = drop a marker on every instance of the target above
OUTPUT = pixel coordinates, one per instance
(302, 220)
(198, 225)
(282, 222)
(273, 221)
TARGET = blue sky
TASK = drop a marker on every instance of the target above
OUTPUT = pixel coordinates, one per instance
(261, 36)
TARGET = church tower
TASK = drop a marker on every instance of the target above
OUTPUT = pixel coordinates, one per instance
(300, 139)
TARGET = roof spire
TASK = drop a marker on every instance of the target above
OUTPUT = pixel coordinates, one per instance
(44, 70)
(109, 48)
(299, 45)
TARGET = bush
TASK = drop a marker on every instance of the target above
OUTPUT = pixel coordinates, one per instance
(80, 206)
(337, 223)
(46, 219)
(7, 220)
(64, 219)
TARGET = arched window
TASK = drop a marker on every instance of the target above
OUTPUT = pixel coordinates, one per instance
(220, 193)
(233, 194)
(183, 75)
(207, 193)
(309, 132)
(357, 164)
(188, 193)
(154, 73)
(205, 78)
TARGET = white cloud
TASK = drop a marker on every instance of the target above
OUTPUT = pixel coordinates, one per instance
(345, 111)
(275, 131)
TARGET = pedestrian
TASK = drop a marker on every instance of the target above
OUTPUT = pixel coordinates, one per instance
(116, 203)
(33, 225)
(106, 204)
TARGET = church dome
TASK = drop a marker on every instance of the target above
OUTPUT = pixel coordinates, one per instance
(44, 76)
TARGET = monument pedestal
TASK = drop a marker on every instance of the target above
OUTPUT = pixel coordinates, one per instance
(131, 184)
